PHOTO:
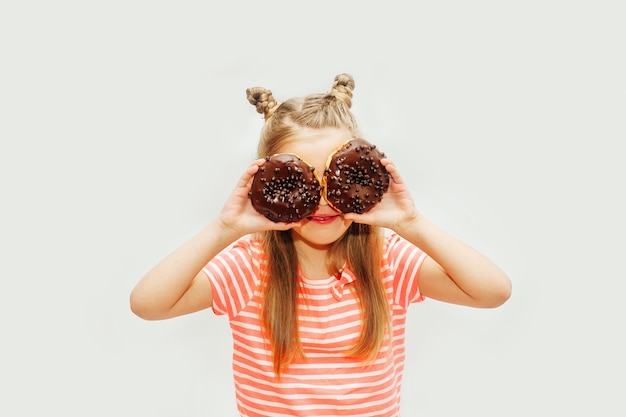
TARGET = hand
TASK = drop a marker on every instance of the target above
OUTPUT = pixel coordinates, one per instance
(238, 214)
(395, 210)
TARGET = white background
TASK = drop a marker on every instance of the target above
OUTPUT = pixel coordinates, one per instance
(124, 126)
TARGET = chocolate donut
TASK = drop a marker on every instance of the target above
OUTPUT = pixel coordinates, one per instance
(285, 188)
(354, 179)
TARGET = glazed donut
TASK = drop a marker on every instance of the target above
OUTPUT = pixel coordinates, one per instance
(354, 179)
(285, 188)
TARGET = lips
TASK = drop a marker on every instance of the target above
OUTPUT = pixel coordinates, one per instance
(323, 219)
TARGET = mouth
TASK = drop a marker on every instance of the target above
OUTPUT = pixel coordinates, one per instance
(323, 219)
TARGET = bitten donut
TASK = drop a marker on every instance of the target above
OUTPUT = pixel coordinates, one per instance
(285, 188)
(354, 178)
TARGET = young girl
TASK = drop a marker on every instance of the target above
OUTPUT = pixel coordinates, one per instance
(317, 307)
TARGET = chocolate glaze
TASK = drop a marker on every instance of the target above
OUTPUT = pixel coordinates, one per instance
(354, 178)
(285, 189)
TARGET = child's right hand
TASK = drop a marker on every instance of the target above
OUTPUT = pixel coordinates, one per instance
(238, 215)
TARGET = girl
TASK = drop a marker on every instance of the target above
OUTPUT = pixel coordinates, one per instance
(317, 307)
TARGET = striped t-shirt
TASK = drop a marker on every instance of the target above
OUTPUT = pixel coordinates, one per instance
(326, 382)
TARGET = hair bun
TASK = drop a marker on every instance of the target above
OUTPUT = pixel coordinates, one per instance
(263, 100)
(342, 88)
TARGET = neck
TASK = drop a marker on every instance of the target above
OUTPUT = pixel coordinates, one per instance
(312, 258)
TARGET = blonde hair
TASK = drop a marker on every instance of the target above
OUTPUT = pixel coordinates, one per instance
(360, 246)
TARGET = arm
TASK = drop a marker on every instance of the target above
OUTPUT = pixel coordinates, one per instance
(453, 272)
(177, 285)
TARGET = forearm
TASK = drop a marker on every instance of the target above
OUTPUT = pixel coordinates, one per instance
(480, 279)
(164, 285)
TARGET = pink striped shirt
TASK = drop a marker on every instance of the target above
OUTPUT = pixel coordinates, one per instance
(327, 382)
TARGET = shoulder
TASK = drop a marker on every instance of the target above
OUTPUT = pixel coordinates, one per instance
(402, 265)
(395, 246)
(235, 275)
(251, 246)
(244, 255)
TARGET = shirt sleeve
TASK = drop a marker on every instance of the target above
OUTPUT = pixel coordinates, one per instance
(234, 277)
(405, 261)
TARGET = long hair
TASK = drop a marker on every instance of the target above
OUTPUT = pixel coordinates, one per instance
(360, 246)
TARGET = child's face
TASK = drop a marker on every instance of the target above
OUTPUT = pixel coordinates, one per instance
(326, 225)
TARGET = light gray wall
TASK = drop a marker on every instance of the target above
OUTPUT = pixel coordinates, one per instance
(124, 125)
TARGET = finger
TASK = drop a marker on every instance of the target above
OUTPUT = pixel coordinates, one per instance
(352, 217)
(392, 170)
(364, 218)
(285, 226)
(248, 174)
(282, 225)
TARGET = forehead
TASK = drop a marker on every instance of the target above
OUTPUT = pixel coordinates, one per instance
(316, 145)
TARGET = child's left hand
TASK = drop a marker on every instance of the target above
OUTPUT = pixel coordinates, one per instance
(396, 210)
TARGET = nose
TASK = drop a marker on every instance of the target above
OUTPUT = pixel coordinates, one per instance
(323, 204)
